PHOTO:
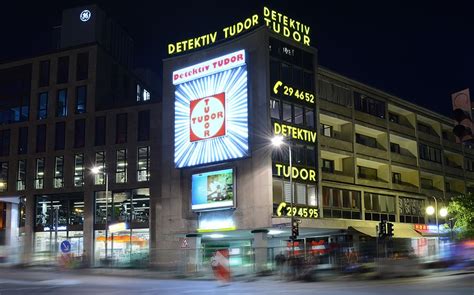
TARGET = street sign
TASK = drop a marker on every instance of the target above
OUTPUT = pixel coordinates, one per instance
(65, 246)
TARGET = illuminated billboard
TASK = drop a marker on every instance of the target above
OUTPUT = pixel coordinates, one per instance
(211, 111)
(213, 190)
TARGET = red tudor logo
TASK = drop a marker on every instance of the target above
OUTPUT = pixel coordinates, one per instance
(207, 118)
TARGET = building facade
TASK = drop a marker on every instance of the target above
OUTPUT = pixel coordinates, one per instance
(63, 113)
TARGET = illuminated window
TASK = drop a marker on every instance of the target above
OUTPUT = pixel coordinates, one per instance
(326, 130)
(3, 176)
(411, 210)
(21, 176)
(39, 174)
(341, 203)
(100, 163)
(121, 166)
(79, 170)
(379, 207)
(143, 166)
(61, 103)
(328, 166)
(146, 95)
(42, 105)
(81, 99)
(275, 109)
(59, 172)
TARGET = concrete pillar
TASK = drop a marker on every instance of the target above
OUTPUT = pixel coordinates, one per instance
(260, 245)
(193, 253)
(88, 227)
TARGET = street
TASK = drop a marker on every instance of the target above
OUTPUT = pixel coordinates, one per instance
(34, 282)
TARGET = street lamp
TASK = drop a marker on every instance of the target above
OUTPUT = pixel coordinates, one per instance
(443, 212)
(278, 141)
(96, 170)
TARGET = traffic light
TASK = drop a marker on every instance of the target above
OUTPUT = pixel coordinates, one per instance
(390, 229)
(382, 229)
(463, 115)
(294, 229)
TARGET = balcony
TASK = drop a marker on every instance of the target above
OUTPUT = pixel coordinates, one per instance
(429, 137)
(402, 129)
(437, 167)
(404, 159)
(335, 108)
(454, 170)
(432, 192)
(452, 145)
(371, 119)
(336, 143)
(371, 152)
(403, 186)
(469, 174)
(372, 182)
(337, 176)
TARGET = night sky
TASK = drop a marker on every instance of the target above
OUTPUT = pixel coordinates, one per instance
(417, 50)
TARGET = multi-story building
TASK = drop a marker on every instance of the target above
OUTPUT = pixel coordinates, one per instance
(62, 113)
(359, 155)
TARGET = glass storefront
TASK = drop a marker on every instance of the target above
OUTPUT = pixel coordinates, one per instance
(128, 246)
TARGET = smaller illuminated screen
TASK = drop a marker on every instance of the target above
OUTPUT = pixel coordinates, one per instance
(213, 190)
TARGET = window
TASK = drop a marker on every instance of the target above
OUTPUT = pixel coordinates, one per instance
(303, 193)
(411, 210)
(394, 147)
(447, 186)
(21, 176)
(341, 203)
(298, 115)
(59, 172)
(81, 99)
(61, 103)
(121, 166)
(366, 140)
(334, 93)
(5, 142)
(131, 206)
(100, 163)
(286, 112)
(79, 170)
(379, 207)
(41, 138)
(142, 94)
(139, 93)
(469, 164)
(367, 173)
(100, 125)
(369, 105)
(59, 138)
(82, 66)
(396, 177)
(426, 183)
(42, 105)
(63, 70)
(79, 133)
(393, 118)
(43, 73)
(326, 130)
(146, 95)
(121, 131)
(3, 176)
(143, 125)
(275, 109)
(143, 166)
(309, 117)
(310, 156)
(39, 173)
(23, 140)
(328, 166)
(70, 210)
(429, 153)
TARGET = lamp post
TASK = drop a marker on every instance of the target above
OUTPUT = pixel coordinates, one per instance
(277, 141)
(96, 170)
(443, 212)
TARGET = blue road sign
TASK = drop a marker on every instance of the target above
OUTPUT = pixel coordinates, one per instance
(65, 246)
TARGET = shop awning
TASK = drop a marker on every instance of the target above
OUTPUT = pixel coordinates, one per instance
(397, 232)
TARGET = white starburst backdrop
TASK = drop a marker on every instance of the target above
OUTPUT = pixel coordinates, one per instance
(231, 146)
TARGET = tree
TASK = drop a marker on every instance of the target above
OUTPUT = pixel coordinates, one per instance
(461, 208)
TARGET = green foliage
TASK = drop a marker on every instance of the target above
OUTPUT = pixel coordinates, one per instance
(461, 208)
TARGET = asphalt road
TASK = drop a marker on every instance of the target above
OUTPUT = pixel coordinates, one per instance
(27, 282)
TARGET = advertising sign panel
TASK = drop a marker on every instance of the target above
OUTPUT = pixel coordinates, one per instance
(213, 190)
(211, 111)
